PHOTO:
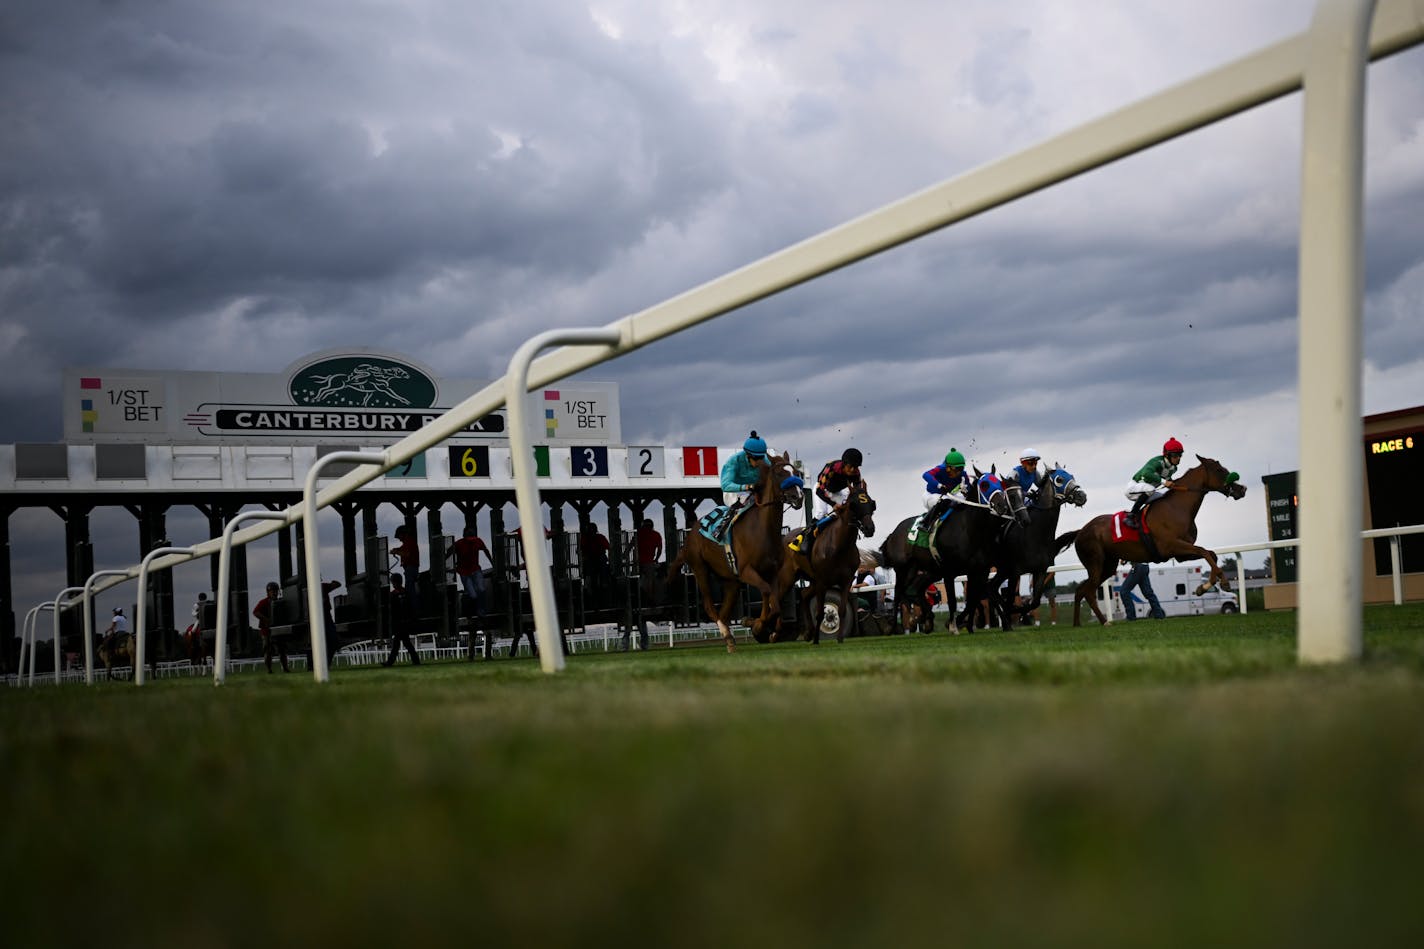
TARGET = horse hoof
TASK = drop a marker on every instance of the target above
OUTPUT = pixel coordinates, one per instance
(731, 647)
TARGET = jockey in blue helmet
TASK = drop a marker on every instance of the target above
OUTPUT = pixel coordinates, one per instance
(741, 473)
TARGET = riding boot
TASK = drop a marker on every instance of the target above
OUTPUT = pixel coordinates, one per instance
(726, 526)
(1133, 518)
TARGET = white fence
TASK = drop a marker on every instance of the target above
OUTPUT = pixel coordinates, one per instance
(1328, 60)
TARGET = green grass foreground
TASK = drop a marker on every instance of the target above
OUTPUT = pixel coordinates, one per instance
(1162, 783)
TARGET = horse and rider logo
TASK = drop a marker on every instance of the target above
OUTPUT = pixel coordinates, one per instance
(366, 381)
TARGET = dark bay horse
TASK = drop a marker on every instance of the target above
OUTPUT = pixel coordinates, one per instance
(757, 546)
(830, 565)
(1032, 550)
(963, 545)
(1172, 522)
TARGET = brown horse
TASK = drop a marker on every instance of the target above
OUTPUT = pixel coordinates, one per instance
(756, 546)
(117, 651)
(830, 565)
(1172, 522)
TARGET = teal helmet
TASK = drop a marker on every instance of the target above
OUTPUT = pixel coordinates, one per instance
(754, 446)
(955, 458)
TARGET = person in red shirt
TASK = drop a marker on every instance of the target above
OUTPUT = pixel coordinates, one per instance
(263, 612)
(650, 555)
(466, 552)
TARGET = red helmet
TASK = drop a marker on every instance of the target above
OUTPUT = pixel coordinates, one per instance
(1171, 445)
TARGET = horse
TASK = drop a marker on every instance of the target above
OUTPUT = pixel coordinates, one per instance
(118, 650)
(830, 565)
(1171, 521)
(757, 548)
(1033, 549)
(963, 544)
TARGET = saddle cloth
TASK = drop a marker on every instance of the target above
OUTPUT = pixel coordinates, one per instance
(712, 523)
(1121, 532)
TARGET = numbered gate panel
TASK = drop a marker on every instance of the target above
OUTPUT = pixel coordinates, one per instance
(647, 461)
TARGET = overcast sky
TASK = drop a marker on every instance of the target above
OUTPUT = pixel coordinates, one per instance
(189, 185)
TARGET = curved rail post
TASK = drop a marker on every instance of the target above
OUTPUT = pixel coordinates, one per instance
(1331, 294)
(58, 606)
(225, 587)
(140, 620)
(316, 616)
(526, 489)
(27, 635)
(89, 619)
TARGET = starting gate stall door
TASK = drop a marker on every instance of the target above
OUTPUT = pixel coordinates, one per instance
(569, 585)
(514, 600)
(682, 597)
(376, 581)
(446, 584)
(631, 584)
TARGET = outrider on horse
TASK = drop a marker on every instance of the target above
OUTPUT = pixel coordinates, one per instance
(829, 564)
(756, 548)
(1168, 532)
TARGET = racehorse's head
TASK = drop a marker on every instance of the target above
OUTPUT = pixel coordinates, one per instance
(1066, 489)
(1014, 493)
(862, 511)
(1005, 498)
(782, 485)
(1217, 478)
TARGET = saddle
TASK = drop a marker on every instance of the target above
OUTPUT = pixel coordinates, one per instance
(716, 526)
(1123, 532)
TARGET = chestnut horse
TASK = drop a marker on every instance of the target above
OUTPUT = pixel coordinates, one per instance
(830, 565)
(1172, 522)
(756, 546)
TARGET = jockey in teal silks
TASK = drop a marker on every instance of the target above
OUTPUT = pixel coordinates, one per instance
(740, 475)
(1153, 479)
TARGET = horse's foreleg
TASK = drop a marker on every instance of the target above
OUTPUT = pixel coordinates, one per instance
(1185, 550)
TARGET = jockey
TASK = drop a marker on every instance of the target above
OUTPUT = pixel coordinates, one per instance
(833, 487)
(1153, 479)
(741, 473)
(835, 481)
(944, 483)
(1026, 473)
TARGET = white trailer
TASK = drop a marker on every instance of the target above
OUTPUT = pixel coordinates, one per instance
(1175, 587)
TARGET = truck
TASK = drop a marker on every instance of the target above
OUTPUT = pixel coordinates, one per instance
(1175, 586)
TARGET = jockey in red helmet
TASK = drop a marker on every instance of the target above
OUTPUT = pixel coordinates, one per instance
(1153, 479)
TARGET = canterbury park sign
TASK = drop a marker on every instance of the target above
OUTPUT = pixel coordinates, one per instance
(356, 398)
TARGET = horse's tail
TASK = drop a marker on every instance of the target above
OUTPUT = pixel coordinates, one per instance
(1061, 542)
(876, 554)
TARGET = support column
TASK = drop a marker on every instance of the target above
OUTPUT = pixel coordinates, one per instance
(8, 656)
(347, 511)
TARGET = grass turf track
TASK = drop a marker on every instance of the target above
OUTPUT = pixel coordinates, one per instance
(1180, 782)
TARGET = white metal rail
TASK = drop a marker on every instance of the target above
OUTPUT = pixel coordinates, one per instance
(1328, 59)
